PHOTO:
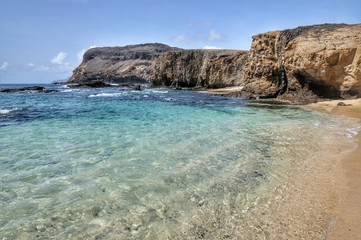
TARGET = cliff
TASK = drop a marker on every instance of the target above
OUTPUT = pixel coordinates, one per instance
(198, 68)
(128, 64)
(300, 65)
(304, 64)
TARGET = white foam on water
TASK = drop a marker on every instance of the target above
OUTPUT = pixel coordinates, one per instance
(352, 132)
(156, 91)
(106, 95)
(7, 111)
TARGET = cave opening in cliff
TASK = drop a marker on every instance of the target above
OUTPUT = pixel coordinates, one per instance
(317, 87)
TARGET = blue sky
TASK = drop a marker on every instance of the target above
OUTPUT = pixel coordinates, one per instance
(43, 40)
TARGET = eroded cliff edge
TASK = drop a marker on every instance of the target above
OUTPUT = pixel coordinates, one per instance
(304, 64)
(300, 65)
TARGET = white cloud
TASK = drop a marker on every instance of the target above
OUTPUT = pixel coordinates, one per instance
(214, 36)
(210, 47)
(30, 65)
(80, 54)
(58, 59)
(4, 66)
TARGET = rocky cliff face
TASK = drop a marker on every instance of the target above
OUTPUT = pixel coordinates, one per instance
(301, 65)
(198, 68)
(305, 63)
(129, 64)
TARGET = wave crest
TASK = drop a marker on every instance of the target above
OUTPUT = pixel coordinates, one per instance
(106, 95)
(5, 111)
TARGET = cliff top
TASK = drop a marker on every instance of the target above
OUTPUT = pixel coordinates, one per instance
(139, 51)
(315, 29)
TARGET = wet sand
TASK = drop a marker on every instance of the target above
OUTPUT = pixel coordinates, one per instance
(348, 218)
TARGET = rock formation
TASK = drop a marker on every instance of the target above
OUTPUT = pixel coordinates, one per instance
(301, 65)
(33, 89)
(304, 64)
(198, 68)
(125, 65)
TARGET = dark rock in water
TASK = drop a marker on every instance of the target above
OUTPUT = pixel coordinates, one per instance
(37, 89)
(96, 210)
(49, 91)
(96, 84)
(138, 87)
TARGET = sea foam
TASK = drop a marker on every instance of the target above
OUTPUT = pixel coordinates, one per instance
(106, 95)
(7, 111)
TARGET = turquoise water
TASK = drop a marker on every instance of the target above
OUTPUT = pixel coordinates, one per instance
(156, 164)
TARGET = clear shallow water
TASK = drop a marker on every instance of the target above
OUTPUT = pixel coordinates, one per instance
(156, 164)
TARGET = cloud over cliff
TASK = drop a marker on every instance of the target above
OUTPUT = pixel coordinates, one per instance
(59, 58)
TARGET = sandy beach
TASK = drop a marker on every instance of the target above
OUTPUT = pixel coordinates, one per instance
(348, 219)
(346, 224)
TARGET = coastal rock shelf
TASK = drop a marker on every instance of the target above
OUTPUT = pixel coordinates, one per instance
(300, 65)
(33, 89)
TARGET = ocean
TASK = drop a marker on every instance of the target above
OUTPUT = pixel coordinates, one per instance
(163, 164)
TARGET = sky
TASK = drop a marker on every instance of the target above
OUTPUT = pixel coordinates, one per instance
(43, 40)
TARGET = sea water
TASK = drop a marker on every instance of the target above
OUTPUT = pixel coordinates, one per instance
(156, 164)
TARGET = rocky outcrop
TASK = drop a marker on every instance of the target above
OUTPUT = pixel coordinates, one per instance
(126, 65)
(34, 89)
(300, 65)
(160, 65)
(198, 68)
(304, 64)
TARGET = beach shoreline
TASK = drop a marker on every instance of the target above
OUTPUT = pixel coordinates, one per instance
(348, 214)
